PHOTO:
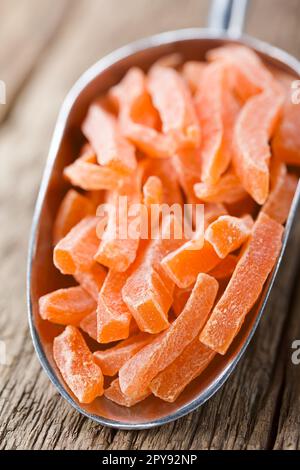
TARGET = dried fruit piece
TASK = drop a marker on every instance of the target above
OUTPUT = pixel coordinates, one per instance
(148, 292)
(138, 118)
(136, 375)
(283, 187)
(180, 299)
(224, 269)
(112, 359)
(72, 209)
(172, 98)
(114, 393)
(254, 128)
(66, 306)
(92, 279)
(112, 149)
(187, 165)
(163, 169)
(193, 257)
(192, 72)
(228, 233)
(247, 73)
(252, 270)
(87, 174)
(113, 316)
(119, 244)
(153, 191)
(227, 190)
(170, 383)
(76, 365)
(75, 252)
(89, 325)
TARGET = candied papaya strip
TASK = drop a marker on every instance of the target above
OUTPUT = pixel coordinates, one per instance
(152, 191)
(114, 393)
(85, 173)
(248, 74)
(283, 188)
(148, 292)
(180, 298)
(245, 285)
(187, 165)
(66, 306)
(163, 169)
(224, 269)
(75, 252)
(171, 382)
(112, 149)
(76, 365)
(139, 120)
(173, 100)
(228, 233)
(213, 210)
(112, 359)
(136, 375)
(72, 209)
(227, 190)
(118, 246)
(89, 325)
(254, 128)
(193, 257)
(113, 316)
(91, 279)
(192, 72)
(286, 141)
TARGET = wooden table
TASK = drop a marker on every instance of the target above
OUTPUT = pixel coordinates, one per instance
(44, 47)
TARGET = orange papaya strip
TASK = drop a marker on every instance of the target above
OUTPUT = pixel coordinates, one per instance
(136, 375)
(139, 120)
(148, 292)
(118, 247)
(113, 316)
(227, 190)
(87, 174)
(193, 257)
(171, 382)
(89, 325)
(248, 74)
(254, 128)
(112, 359)
(228, 233)
(76, 365)
(283, 188)
(72, 209)
(92, 279)
(66, 306)
(187, 165)
(173, 100)
(163, 170)
(112, 149)
(245, 285)
(180, 299)
(152, 191)
(224, 269)
(114, 393)
(286, 141)
(75, 252)
(192, 72)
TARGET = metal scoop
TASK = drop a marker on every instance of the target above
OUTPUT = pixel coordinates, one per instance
(226, 20)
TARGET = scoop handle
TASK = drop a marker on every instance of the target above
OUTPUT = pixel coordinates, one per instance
(228, 15)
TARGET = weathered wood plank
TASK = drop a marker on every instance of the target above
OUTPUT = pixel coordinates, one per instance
(26, 30)
(258, 407)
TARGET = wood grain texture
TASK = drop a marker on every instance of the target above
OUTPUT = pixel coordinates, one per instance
(258, 408)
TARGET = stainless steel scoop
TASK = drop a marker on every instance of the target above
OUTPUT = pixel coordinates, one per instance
(225, 22)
